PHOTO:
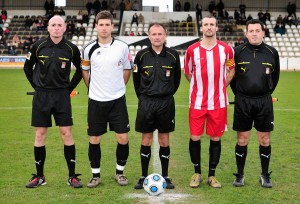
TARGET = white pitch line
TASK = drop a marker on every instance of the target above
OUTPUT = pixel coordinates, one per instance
(164, 198)
(155, 153)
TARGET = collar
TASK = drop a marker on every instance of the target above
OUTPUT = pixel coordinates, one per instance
(253, 48)
(162, 53)
(112, 41)
(60, 44)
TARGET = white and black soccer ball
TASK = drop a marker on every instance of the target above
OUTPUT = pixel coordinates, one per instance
(154, 184)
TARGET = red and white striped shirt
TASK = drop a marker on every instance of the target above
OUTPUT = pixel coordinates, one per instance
(208, 70)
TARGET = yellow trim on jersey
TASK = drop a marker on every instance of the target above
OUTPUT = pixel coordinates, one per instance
(65, 59)
(266, 63)
(147, 67)
(167, 67)
(244, 63)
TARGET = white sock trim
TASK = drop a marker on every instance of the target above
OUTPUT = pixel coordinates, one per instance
(95, 171)
(120, 168)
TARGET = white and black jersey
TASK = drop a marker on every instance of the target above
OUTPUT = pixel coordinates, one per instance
(106, 64)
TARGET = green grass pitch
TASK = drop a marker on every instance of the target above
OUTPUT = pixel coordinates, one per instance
(17, 161)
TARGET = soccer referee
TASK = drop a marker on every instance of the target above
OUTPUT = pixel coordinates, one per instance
(257, 75)
(156, 77)
(47, 68)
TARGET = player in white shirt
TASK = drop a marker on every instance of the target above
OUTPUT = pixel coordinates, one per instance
(106, 65)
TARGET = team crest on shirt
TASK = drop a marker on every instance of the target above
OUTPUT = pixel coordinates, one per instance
(28, 55)
(63, 65)
(135, 68)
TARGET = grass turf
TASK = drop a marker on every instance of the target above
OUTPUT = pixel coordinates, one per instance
(17, 161)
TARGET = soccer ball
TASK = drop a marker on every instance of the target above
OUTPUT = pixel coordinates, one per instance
(154, 184)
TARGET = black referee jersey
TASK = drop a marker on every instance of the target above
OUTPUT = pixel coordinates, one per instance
(48, 65)
(156, 74)
(257, 70)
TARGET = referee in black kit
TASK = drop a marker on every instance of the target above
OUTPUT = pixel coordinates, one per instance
(47, 68)
(256, 77)
(156, 77)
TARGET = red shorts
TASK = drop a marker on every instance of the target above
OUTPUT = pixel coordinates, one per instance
(216, 122)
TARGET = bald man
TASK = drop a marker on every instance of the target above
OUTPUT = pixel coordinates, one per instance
(48, 68)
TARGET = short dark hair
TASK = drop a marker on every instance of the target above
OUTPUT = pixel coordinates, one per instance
(255, 21)
(157, 24)
(209, 16)
(104, 15)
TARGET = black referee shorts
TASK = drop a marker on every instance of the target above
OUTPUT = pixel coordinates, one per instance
(250, 110)
(113, 112)
(155, 113)
(52, 102)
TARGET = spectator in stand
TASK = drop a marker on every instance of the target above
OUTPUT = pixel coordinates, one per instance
(79, 17)
(261, 16)
(122, 8)
(34, 26)
(4, 12)
(279, 28)
(1, 25)
(131, 33)
(291, 9)
(267, 32)
(178, 6)
(16, 41)
(26, 45)
(242, 8)
(28, 23)
(81, 30)
(224, 14)
(267, 16)
(189, 18)
(126, 33)
(51, 5)
(234, 27)
(135, 19)
(2, 40)
(89, 6)
(212, 6)
(286, 20)
(104, 5)
(141, 18)
(70, 29)
(11, 49)
(128, 5)
(7, 31)
(249, 17)
(239, 42)
(220, 8)
(60, 12)
(97, 6)
(187, 6)
(279, 19)
(293, 21)
(144, 33)
(113, 8)
(236, 14)
(227, 28)
(136, 6)
(47, 6)
(198, 11)
(3, 17)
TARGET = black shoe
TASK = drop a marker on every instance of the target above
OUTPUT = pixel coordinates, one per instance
(265, 180)
(36, 181)
(170, 185)
(139, 184)
(74, 182)
(239, 180)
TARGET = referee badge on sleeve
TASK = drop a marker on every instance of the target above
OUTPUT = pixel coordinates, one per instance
(135, 68)
(63, 65)
(168, 73)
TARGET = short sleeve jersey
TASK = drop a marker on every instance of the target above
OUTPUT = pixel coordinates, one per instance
(208, 70)
(106, 65)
